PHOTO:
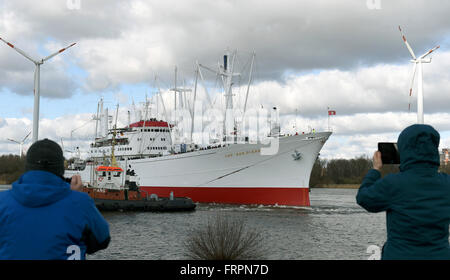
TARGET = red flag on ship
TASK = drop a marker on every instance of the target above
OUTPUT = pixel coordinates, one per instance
(331, 113)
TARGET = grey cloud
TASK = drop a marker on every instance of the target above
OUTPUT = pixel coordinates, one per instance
(54, 83)
(58, 20)
(306, 35)
(288, 36)
(120, 43)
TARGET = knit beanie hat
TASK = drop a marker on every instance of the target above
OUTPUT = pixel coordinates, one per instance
(45, 155)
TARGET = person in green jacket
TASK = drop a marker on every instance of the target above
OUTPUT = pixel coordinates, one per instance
(416, 200)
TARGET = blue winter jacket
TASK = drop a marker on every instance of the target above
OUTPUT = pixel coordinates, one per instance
(42, 218)
(416, 200)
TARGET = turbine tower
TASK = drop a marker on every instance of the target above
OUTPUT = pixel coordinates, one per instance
(417, 66)
(20, 143)
(37, 77)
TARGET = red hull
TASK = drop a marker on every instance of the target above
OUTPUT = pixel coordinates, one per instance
(264, 196)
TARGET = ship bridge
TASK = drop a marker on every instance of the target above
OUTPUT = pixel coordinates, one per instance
(145, 138)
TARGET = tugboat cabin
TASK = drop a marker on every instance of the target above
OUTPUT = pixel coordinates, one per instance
(109, 177)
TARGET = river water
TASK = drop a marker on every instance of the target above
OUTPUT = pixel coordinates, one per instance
(333, 228)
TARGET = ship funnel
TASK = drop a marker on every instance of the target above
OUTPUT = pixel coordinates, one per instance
(225, 62)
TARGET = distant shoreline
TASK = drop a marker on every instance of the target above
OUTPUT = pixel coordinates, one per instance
(321, 186)
(337, 186)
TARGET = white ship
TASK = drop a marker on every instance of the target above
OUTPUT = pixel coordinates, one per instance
(233, 171)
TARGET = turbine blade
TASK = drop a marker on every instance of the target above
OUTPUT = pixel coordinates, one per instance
(58, 52)
(428, 52)
(411, 86)
(12, 140)
(26, 137)
(19, 51)
(407, 44)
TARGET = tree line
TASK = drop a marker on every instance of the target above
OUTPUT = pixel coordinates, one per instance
(11, 167)
(349, 171)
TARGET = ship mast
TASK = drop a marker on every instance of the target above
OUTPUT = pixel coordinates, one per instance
(250, 78)
(96, 117)
(113, 142)
(146, 104)
(226, 71)
(181, 104)
(193, 104)
(227, 76)
(159, 95)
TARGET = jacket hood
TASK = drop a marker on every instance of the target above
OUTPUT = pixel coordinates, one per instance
(418, 146)
(39, 188)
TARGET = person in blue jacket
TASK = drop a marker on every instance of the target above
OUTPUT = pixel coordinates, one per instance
(416, 200)
(43, 217)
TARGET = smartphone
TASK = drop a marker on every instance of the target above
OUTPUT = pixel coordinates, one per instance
(389, 153)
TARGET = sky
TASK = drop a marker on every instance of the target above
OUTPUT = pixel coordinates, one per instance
(310, 56)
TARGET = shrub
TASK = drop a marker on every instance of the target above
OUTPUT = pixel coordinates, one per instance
(225, 238)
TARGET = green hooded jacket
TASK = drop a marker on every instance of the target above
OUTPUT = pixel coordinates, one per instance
(416, 200)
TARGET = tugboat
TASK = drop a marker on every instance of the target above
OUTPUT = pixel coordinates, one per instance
(112, 189)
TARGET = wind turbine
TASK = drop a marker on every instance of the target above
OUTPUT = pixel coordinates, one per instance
(20, 143)
(37, 77)
(417, 66)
